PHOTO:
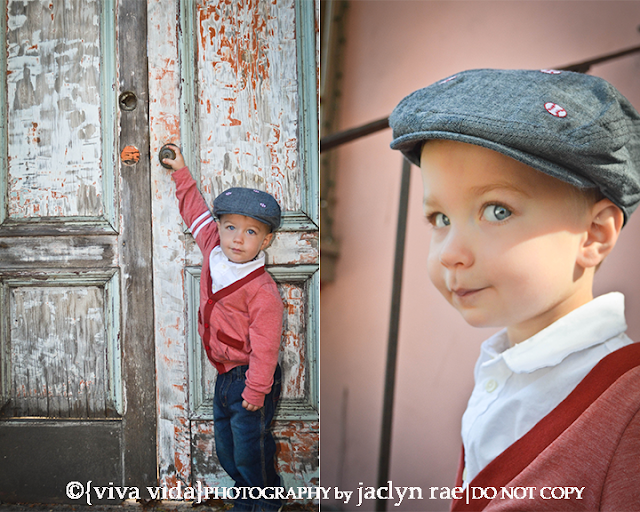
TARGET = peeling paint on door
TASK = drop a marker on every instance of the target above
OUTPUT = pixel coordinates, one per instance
(53, 100)
(248, 97)
(47, 322)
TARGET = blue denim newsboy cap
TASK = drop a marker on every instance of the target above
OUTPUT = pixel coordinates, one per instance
(575, 127)
(250, 202)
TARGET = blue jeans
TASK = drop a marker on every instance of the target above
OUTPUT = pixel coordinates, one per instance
(244, 442)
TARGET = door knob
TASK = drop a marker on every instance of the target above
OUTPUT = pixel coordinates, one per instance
(166, 152)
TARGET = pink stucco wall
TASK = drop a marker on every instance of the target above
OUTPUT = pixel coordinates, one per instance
(393, 48)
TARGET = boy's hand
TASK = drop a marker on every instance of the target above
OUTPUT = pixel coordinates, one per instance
(250, 407)
(178, 162)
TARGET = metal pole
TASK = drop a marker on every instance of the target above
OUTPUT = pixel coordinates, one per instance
(394, 323)
(337, 139)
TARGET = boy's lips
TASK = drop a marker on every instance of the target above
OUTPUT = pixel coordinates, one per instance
(466, 292)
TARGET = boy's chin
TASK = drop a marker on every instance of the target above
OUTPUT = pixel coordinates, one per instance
(478, 319)
(239, 259)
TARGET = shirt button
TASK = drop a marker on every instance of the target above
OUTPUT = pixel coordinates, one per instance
(206, 326)
(210, 301)
(491, 386)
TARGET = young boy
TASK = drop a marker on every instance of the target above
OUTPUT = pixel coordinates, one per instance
(528, 179)
(240, 322)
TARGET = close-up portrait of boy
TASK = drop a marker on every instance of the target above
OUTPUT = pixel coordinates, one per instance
(529, 177)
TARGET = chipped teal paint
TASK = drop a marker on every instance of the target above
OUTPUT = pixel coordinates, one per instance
(114, 349)
(188, 95)
(109, 88)
(3, 114)
(307, 44)
(305, 219)
(195, 356)
(308, 103)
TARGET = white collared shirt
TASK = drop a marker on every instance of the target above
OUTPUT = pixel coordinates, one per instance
(515, 387)
(225, 272)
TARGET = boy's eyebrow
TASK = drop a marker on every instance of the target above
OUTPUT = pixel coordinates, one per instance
(431, 203)
(483, 189)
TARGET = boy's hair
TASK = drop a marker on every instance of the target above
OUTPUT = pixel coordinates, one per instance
(574, 127)
(250, 202)
(588, 196)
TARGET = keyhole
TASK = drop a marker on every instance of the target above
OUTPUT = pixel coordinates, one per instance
(128, 101)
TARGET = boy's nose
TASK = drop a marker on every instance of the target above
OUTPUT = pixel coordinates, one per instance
(455, 250)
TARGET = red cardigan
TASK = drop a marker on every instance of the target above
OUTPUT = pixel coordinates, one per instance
(591, 441)
(242, 323)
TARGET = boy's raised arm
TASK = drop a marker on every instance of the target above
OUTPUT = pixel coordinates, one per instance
(193, 208)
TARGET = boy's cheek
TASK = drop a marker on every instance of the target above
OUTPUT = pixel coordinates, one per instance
(436, 273)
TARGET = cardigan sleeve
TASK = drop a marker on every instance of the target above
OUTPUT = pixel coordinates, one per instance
(265, 333)
(194, 211)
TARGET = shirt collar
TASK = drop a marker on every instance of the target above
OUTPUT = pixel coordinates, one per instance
(593, 323)
(225, 272)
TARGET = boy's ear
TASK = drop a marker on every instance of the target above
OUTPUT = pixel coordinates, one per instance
(606, 222)
(267, 241)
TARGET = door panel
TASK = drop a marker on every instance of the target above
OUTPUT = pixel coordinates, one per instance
(63, 360)
(58, 154)
(76, 448)
(77, 361)
(53, 85)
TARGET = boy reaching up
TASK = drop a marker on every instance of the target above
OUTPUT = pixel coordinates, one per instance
(240, 323)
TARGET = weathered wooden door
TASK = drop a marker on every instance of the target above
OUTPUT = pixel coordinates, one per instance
(77, 358)
(235, 83)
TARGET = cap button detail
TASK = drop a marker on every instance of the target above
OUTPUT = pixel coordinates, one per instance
(555, 110)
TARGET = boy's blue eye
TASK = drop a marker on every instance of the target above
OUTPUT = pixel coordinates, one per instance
(496, 213)
(440, 220)
(251, 232)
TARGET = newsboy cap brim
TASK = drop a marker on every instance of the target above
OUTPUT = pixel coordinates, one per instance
(575, 127)
(257, 204)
